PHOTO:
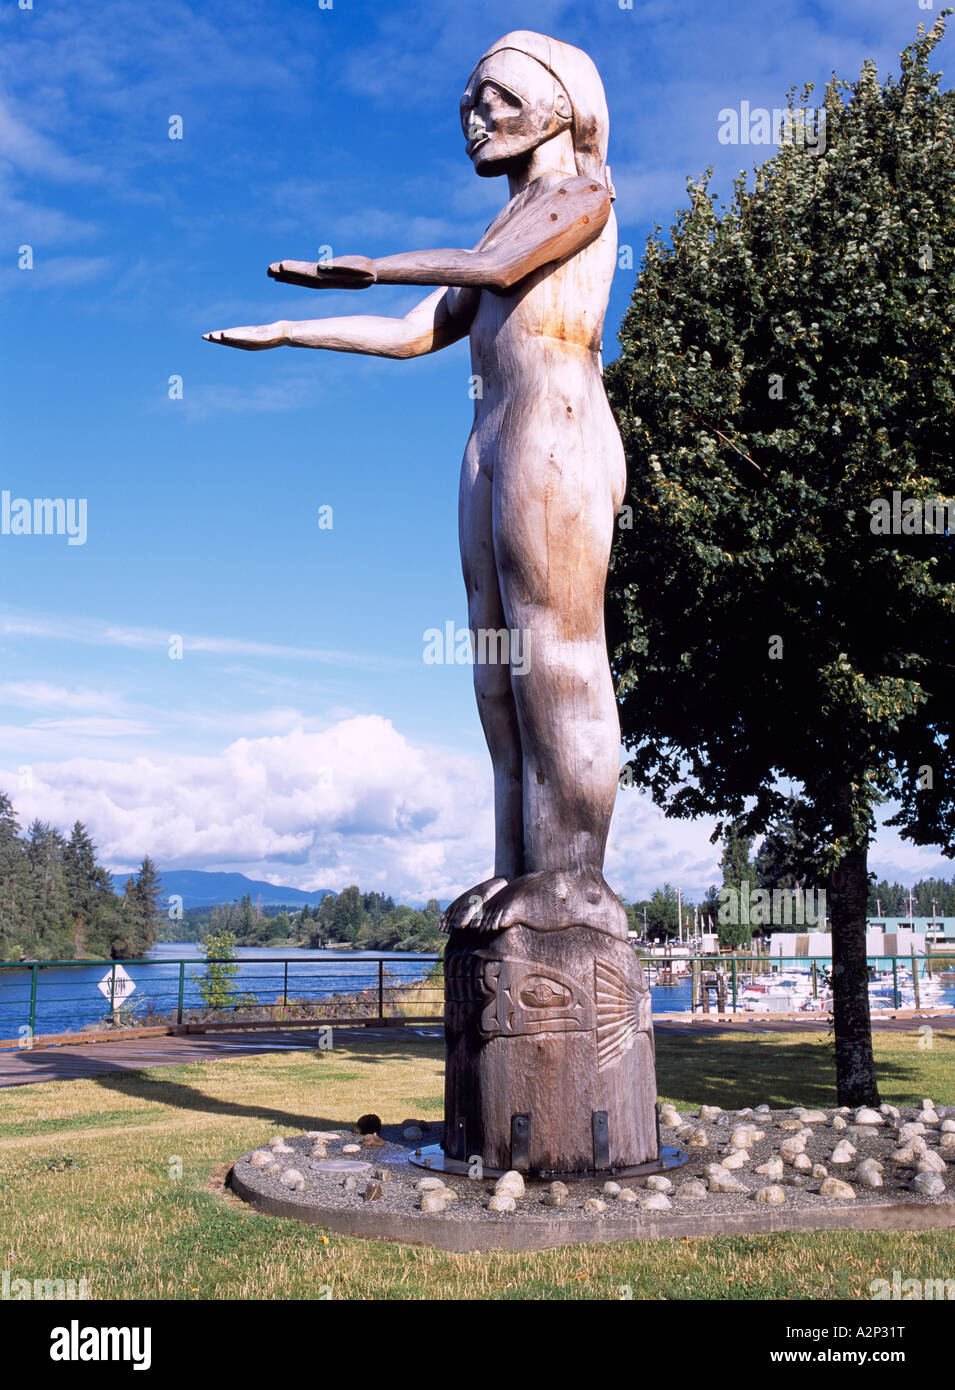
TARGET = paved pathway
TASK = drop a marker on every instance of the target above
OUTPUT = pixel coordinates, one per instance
(22, 1068)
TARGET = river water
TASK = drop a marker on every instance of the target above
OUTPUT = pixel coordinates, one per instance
(68, 997)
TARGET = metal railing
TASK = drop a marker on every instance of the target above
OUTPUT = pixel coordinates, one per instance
(40, 998)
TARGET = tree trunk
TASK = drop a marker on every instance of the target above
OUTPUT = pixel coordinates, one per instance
(848, 889)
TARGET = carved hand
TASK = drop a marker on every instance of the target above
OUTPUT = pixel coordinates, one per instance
(253, 339)
(344, 273)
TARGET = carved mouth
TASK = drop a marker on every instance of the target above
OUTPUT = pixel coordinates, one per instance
(477, 142)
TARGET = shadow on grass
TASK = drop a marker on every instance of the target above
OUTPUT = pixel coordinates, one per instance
(704, 1070)
(165, 1090)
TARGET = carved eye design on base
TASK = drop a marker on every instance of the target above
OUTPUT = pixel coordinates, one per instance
(537, 992)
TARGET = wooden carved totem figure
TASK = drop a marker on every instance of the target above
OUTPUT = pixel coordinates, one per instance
(550, 1065)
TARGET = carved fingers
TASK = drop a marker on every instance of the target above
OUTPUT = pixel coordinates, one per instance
(252, 339)
(344, 273)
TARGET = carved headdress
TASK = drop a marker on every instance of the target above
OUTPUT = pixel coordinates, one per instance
(576, 73)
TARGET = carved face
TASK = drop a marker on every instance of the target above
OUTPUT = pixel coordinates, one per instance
(512, 104)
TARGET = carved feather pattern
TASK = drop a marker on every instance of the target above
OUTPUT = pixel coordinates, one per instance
(617, 1020)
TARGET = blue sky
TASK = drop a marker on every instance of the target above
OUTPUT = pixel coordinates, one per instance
(301, 737)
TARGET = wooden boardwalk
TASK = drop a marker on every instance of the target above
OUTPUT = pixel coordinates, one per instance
(75, 1060)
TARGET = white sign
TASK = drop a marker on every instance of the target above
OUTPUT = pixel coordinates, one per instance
(123, 988)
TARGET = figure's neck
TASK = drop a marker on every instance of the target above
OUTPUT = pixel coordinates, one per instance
(555, 156)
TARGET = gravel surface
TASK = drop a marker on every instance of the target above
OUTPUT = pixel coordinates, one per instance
(390, 1169)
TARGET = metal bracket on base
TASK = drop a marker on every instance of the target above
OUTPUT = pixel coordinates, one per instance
(434, 1158)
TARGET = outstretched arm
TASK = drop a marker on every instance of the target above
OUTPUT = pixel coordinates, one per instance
(550, 228)
(442, 318)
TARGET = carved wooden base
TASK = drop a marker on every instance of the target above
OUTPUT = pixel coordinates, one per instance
(550, 1060)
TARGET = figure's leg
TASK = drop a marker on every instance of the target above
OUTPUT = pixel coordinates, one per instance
(492, 687)
(553, 531)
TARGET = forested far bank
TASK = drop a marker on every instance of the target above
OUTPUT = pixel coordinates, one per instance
(58, 903)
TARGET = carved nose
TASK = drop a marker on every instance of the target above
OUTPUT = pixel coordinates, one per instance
(476, 127)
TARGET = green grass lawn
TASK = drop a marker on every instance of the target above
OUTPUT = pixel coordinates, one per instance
(113, 1179)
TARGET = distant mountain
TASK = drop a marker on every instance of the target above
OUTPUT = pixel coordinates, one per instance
(197, 888)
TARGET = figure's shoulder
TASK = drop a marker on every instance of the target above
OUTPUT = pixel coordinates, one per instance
(582, 185)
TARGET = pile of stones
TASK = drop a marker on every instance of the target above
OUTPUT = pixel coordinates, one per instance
(800, 1157)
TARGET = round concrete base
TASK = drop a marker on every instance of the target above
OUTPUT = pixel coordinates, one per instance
(510, 1232)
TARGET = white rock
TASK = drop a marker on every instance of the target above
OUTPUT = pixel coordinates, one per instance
(802, 1163)
(910, 1152)
(838, 1123)
(502, 1201)
(928, 1185)
(323, 1134)
(913, 1129)
(930, 1162)
(351, 1148)
(867, 1116)
(762, 1109)
(692, 1190)
(791, 1126)
(670, 1116)
(658, 1183)
(697, 1139)
(722, 1181)
(929, 1118)
(594, 1204)
(429, 1185)
(819, 1171)
(657, 1201)
(611, 1189)
(261, 1158)
(772, 1168)
(946, 1142)
(277, 1141)
(835, 1187)
(844, 1152)
(627, 1196)
(511, 1184)
(815, 1117)
(742, 1137)
(737, 1159)
(867, 1177)
(772, 1194)
(891, 1112)
(708, 1113)
(927, 1103)
(871, 1162)
(433, 1201)
(292, 1178)
(789, 1148)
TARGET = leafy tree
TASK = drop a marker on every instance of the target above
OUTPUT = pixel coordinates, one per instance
(215, 984)
(663, 914)
(788, 362)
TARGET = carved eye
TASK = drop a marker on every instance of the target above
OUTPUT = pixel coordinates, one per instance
(537, 992)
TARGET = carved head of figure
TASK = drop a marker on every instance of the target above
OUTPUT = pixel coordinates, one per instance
(527, 89)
